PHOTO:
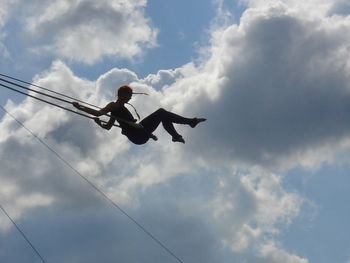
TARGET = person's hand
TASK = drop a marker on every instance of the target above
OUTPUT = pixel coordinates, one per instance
(76, 104)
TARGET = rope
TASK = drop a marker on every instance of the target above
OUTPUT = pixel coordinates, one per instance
(22, 233)
(42, 88)
(108, 199)
(54, 97)
(138, 116)
(33, 90)
(60, 94)
(46, 101)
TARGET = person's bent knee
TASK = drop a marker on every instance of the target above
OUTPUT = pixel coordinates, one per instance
(161, 110)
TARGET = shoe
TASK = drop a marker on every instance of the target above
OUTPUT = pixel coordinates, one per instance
(195, 121)
(178, 139)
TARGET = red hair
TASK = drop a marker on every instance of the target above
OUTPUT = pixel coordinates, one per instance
(124, 89)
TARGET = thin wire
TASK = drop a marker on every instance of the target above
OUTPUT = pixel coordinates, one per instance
(22, 233)
(42, 88)
(63, 100)
(64, 108)
(36, 91)
(51, 103)
(58, 93)
(97, 189)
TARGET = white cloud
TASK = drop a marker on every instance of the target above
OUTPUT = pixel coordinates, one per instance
(23, 164)
(280, 88)
(33, 178)
(312, 8)
(85, 31)
(88, 30)
(238, 211)
(275, 255)
(258, 203)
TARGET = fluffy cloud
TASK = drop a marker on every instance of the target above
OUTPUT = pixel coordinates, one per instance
(273, 254)
(85, 31)
(280, 84)
(128, 175)
(302, 7)
(32, 178)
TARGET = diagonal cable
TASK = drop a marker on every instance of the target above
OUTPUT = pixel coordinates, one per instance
(108, 199)
(23, 235)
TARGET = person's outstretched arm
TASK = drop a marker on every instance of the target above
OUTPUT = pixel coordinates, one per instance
(88, 110)
(94, 112)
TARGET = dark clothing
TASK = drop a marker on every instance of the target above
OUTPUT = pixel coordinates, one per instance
(136, 135)
(149, 124)
(167, 118)
(123, 113)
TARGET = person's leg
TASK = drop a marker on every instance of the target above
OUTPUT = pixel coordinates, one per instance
(167, 118)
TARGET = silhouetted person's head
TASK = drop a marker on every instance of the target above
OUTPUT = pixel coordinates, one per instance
(124, 93)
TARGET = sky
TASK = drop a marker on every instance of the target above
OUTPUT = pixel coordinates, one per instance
(264, 180)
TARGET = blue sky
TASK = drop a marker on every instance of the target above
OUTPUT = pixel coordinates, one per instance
(265, 179)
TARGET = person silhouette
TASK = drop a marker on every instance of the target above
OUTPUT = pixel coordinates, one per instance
(138, 133)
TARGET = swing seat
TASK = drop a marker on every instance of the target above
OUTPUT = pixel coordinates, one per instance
(135, 132)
